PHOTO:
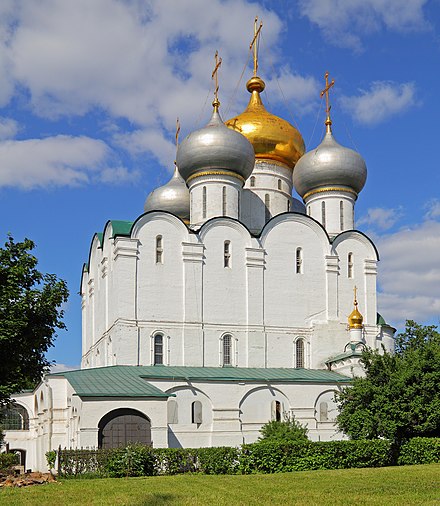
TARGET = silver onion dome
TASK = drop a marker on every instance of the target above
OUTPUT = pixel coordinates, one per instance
(172, 196)
(328, 165)
(215, 147)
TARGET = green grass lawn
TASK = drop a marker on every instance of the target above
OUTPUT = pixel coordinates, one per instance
(409, 485)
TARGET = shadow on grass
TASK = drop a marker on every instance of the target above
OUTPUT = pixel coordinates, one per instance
(157, 500)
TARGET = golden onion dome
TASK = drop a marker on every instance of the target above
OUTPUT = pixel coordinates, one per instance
(273, 138)
(355, 320)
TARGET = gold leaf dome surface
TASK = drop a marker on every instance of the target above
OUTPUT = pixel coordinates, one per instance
(273, 138)
(355, 320)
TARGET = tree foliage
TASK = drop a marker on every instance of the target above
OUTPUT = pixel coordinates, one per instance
(287, 431)
(399, 397)
(30, 313)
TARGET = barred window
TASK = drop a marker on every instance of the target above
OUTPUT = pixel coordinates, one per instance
(341, 215)
(158, 349)
(299, 261)
(224, 200)
(252, 181)
(159, 250)
(227, 349)
(15, 417)
(299, 354)
(227, 254)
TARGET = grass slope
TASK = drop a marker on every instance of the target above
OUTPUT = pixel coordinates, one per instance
(389, 486)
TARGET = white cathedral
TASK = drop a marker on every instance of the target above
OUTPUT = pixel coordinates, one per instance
(226, 304)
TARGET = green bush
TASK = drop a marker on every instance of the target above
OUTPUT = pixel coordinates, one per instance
(134, 460)
(420, 450)
(7, 461)
(175, 460)
(269, 457)
(221, 460)
(285, 431)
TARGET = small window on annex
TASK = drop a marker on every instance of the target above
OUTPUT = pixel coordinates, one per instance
(350, 265)
(227, 349)
(227, 254)
(14, 417)
(158, 349)
(299, 261)
(196, 412)
(159, 249)
(299, 354)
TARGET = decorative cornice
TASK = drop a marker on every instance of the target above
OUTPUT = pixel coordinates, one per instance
(330, 189)
(215, 173)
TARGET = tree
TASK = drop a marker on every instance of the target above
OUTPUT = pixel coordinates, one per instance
(30, 313)
(285, 431)
(399, 397)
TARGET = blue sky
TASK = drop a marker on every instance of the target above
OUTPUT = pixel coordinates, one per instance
(90, 92)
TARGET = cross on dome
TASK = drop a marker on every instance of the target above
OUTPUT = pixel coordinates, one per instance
(325, 91)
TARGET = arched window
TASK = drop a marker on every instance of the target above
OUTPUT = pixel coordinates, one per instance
(288, 206)
(204, 202)
(299, 352)
(159, 250)
(350, 265)
(172, 412)
(14, 417)
(227, 254)
(341, 215)
(279, 184)
(323, 214)
(252, 181)
(224, 200)
(299, 261)
(196, 412)
(276, 411)
(227, 349)
(267, 206)
(158, 349)
(323, 412)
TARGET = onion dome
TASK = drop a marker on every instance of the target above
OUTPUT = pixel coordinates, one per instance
(329, 166)
(215, 149)
(172, 197)
(355, 320)
(272, 137)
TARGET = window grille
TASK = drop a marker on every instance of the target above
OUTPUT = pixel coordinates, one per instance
(252, 181)
(224, 200)
(158, 349)
(298, 260)
(227, 350)
(341, 215)
(299, 354)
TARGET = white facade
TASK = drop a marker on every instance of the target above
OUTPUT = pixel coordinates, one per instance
(253, 294)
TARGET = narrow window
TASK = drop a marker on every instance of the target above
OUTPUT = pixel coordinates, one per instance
(267, 204)
(204, 202)
(224, 200)
(196, 412)
(308, 210)
(276, 411)
(323, 412)
(159, 250)
(341, 215)
(323, 214)
(350, 265)
(172, 412)
(299, 261)
(299, 354)
(227, 254)
(279, 184)
(158, 349)
(227, 350)
(252, 181)
(288, 206)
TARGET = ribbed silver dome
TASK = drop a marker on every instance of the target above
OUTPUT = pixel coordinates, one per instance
(328, 165)
(172, 196)
(215, 147)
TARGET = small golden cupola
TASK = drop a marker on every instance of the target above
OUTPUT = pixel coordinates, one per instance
(355, 320)
(273, 138)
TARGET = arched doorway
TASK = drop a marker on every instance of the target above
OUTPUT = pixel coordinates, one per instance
(123, 426)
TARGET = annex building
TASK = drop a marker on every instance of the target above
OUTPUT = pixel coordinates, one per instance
(226, 304)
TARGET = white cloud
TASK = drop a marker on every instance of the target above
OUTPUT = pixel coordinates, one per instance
(382, 101)
(433, 209)
(410, 274)
(380, 218)
(8, 128)
(62, 368)
(55, 161)
(343, 22)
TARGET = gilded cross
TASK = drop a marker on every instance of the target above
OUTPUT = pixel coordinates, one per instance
(325, 92)
(177, 132)
(355, 295)
(255, 43)
(218, 62)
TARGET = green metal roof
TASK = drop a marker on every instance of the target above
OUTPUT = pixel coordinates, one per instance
(131, 381)
(114, 381)
(345, 355)
(121, 227)
(99, 236)
(242, 374)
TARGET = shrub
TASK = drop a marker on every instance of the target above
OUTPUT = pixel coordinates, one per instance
(7, 461)
(420, 450)
(134, 460)
(175, 460)
(51, 458)
(221, 460)
(288, 430)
